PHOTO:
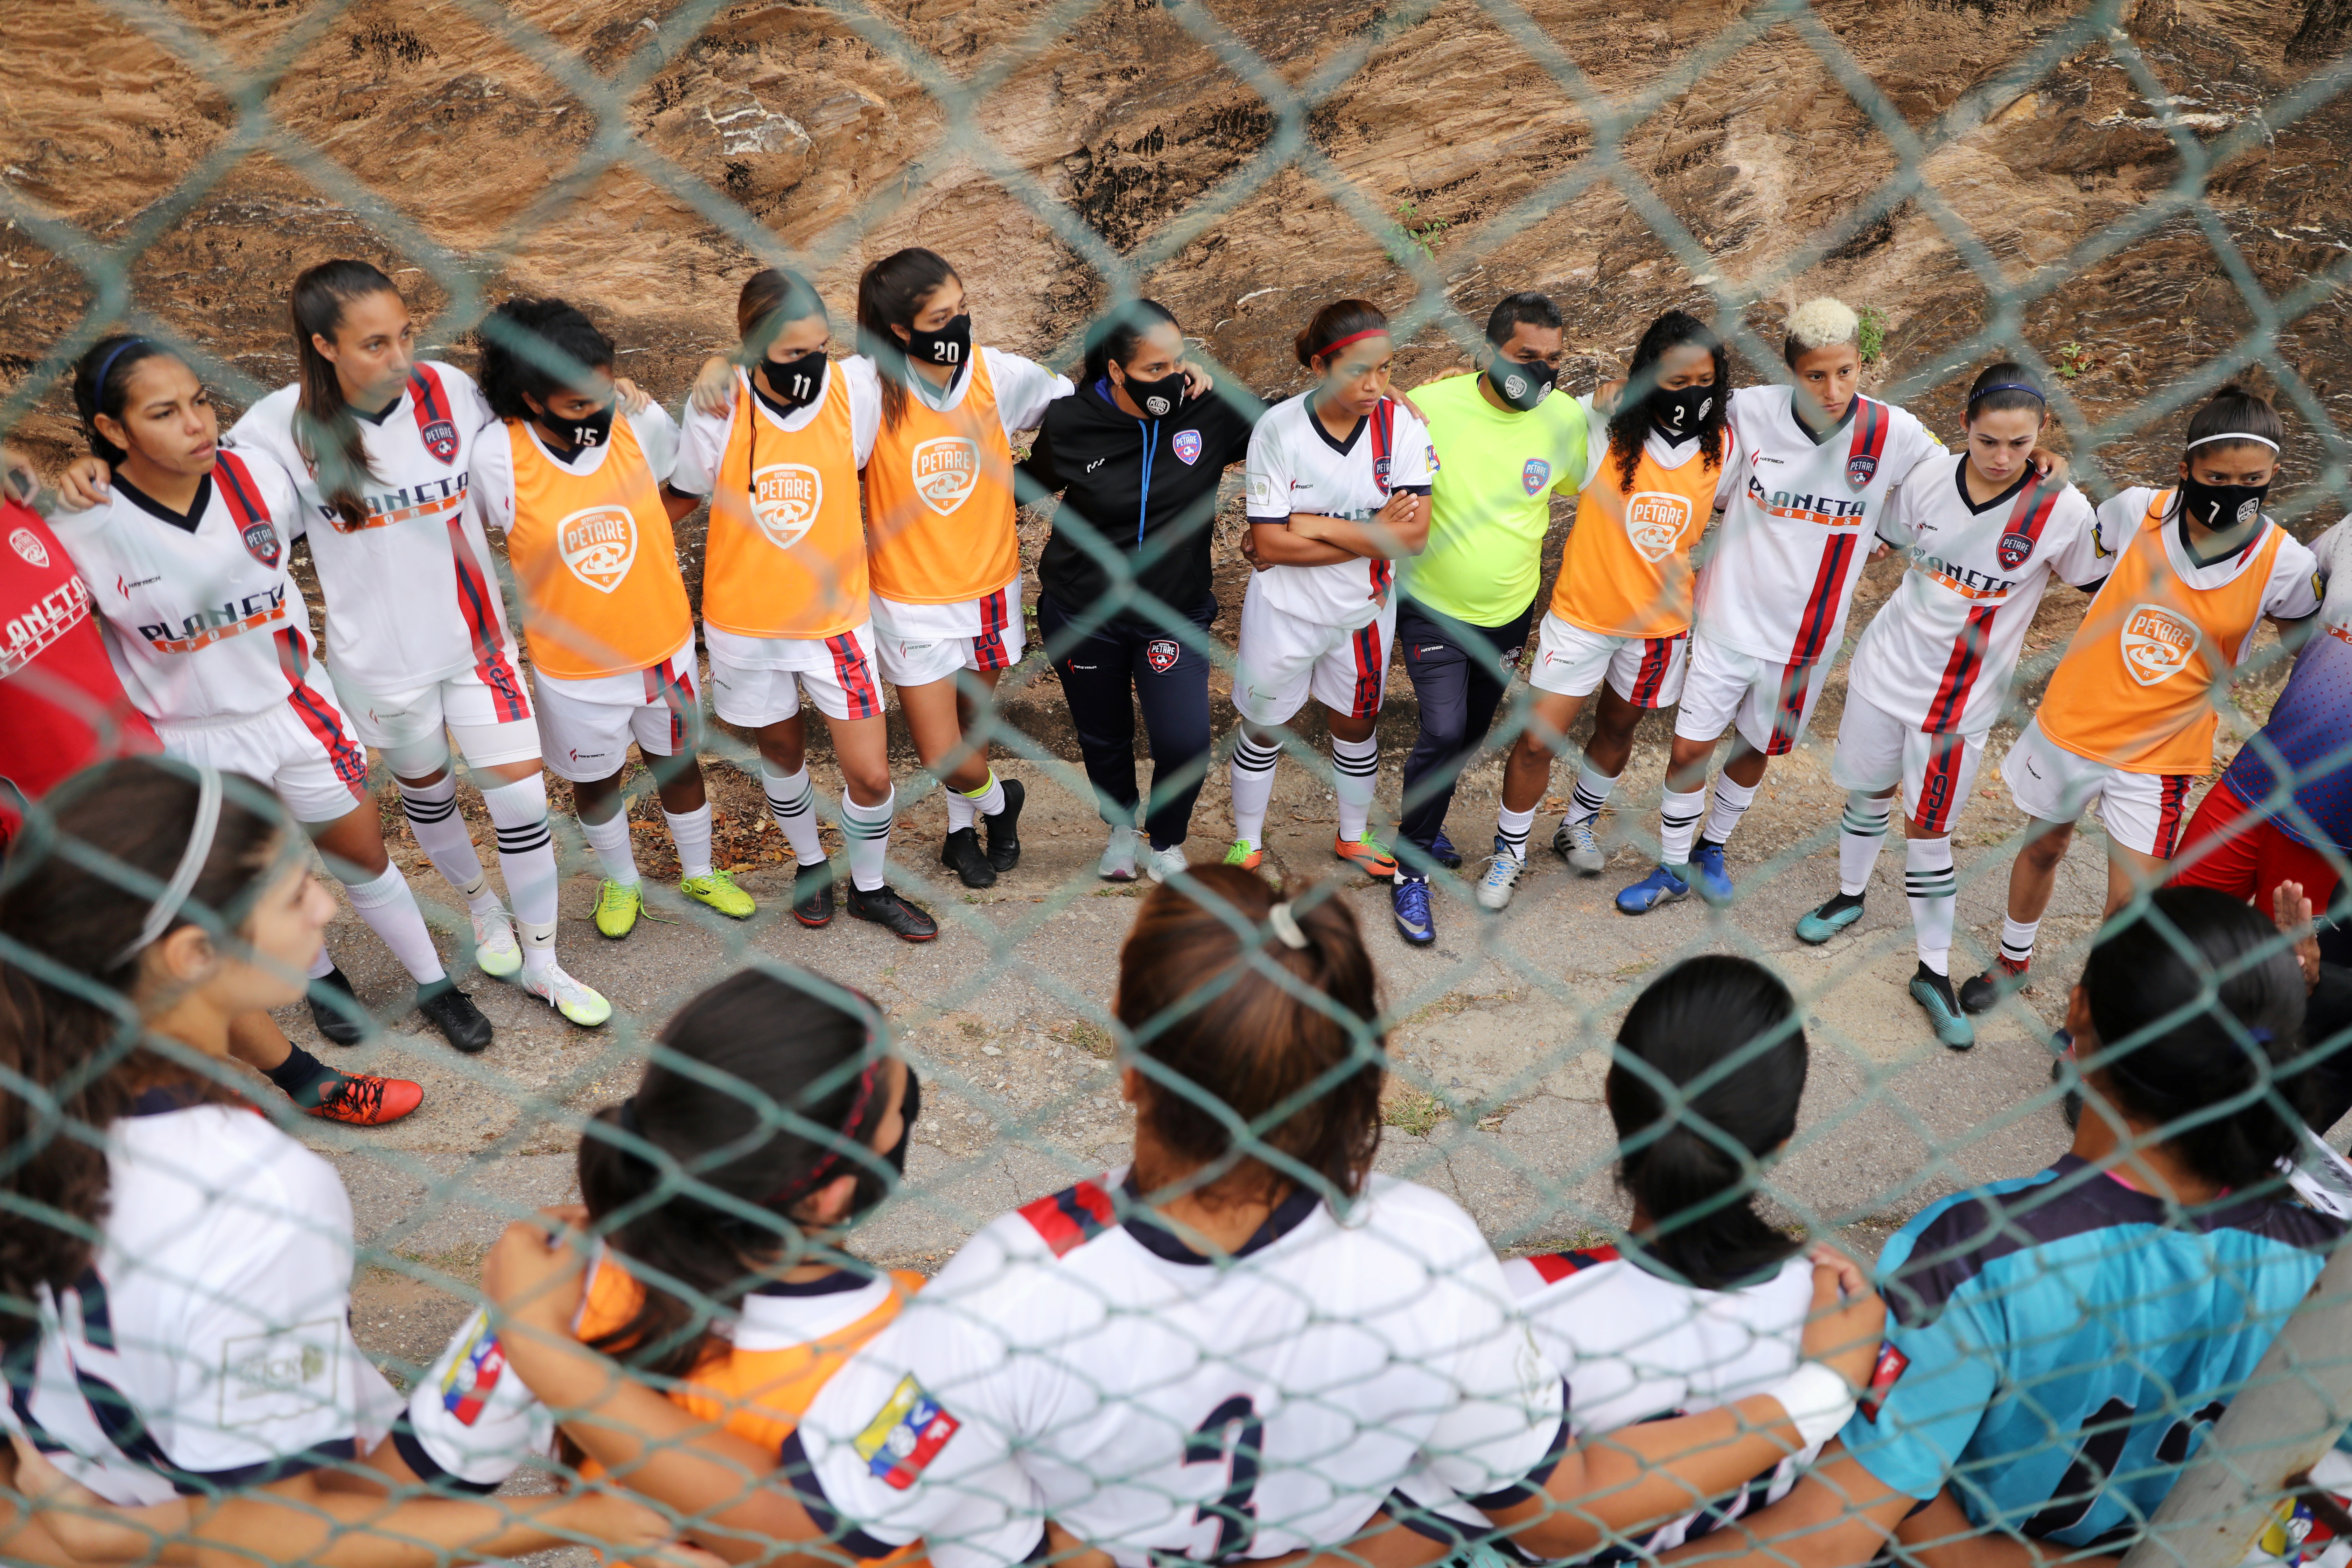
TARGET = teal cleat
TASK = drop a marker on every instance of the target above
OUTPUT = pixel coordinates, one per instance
(1817, 926)
(1933, 992)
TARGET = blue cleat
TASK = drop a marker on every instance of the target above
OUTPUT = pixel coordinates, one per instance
(1817, 926)
(1409, 903)
(1445, 854)
(1714, 881)
(1933, 992)
(1660, 887)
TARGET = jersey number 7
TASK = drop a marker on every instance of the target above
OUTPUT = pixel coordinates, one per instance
(1233, 1434)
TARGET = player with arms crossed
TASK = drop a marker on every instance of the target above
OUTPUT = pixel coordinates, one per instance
(1338, 482)
(2128, 720)
(1933, 672)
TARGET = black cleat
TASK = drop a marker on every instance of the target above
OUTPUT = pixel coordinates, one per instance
(812, 895)
(886, 909)
(334, 1022)
(1979, 992)
(453, 1013)
(1005, 828)
(960, 852)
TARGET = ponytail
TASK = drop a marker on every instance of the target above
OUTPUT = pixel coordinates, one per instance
(101, 385)
(890, 293)
(324, 429)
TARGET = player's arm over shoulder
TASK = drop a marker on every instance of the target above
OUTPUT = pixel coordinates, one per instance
(2294, 595)
(1023, 388)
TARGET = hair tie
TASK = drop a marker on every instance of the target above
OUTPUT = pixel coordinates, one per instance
(1325, 352)
(193, 856)
(1286, 925)
(2231, 435)
(98, 386)
(2031, 392)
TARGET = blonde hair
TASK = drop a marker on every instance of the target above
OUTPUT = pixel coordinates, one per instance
(1819, 324)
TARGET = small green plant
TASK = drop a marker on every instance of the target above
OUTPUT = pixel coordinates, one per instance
(1415, 1113)
(1870, 338)
(2073, 359)
(1421, 234)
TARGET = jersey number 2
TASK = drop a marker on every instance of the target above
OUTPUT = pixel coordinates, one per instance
(1233, 1434)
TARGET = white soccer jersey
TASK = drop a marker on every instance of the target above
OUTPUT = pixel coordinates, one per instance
(412, 596)
(1942, 651)
(210, 1343)
(702, 437)
(202, 621)
(1024, 388)
(1294, 466)
(1066, 1364)
(1798, 527)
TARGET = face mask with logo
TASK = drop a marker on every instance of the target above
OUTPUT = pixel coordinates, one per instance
(1521, 385)
(952, 344)
(594, 431)
(792, 382)
(2222, 508)
(1679, 412)
(1157, 398)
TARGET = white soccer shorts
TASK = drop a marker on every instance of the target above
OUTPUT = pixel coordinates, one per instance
(1646, 671)
(1876, 751)
(838, 673)
(584, 736)
(1282, 661)
(919, 644)
(1771, 703)
(303, 749)
(2142, 811)
(488, 708)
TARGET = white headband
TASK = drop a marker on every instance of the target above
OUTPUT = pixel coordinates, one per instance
(1286, 926)
(2231, 435)
(166, 906)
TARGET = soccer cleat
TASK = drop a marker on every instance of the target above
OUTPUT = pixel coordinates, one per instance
(619, 907)
(886, 909)
(363, 1099)
(812, 895)
(1979, 992)
(1118, 863)
(583, 1004)
(1004, 828)
(336, 1023)
(1660, 887)
(1575, 842)
(496, 952)
(1245, 855)
(1503, 873)
(960, 852)
(1713, 883)
(718, 891)
(1442, 850)
(1818, 925)
(453, 1013)
(1933, 992)
(1166, 863)
(1409, 904)
(1368, 853)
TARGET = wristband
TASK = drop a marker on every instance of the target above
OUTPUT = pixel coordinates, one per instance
(1817, 1400)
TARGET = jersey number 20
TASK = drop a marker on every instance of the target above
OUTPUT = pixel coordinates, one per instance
(1233, 1434)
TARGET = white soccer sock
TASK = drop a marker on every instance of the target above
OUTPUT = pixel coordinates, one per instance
(1732, 800)
(1355, 772)
(1513, 828)
(1935, 889)
(527, 860)
(610, 840)
(441, 832)
(2016, 940)
(792, 803)
(961, 813)
(989, 798)
(1678, 815)
(691, 834)
(867, 830)
(1861, 834)
(1591, 793)
(1253, 782)
(391, 912)
(323, 965)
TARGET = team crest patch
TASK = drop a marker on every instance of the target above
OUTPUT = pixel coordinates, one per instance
(1884, 1375)
(2157, 644)
(946, 470)
(474, 1376)
(2014, 549)
(440, 439)
(905, 1436)
(599, 545)
(261, 538)
(1655, 521)
(1162, 654)
(1186, 444)
(25, 544)
(785, 498)
(1380, 473)
(1860, 470)
(1535, 475)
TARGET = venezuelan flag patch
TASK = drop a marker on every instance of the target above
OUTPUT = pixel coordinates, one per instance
(905, 1436)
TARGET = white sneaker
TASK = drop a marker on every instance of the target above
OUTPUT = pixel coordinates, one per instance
(583, 1004)
(1502, 871)
(496, 952)
(1580, 846)
(1166, 863)
(1118, 863)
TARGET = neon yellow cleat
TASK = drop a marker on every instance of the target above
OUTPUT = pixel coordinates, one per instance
(619, 907)
(1244, 856)
(496, 952)
(720, 892)
(583, 1004)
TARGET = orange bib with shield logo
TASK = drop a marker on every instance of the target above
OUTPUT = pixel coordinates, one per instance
(596, 560)
(2136, 688)
(1626, 570)
(787, 544)
(939, 500)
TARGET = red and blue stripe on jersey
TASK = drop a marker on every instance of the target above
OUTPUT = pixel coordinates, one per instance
(1070, 1218)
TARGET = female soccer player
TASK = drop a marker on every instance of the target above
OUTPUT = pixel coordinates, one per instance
(795, 1306)
(2059, 1340)
(1199, 1355)
(578, 494)
(2128, 720)
(1137, 454)
(1620, 610)
(185, 558)
(945, 562)
(1985, 534)
(1337, 489)
(188, 1351)
(785, 605)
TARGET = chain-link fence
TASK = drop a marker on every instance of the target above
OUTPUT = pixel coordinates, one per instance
(2133, 204)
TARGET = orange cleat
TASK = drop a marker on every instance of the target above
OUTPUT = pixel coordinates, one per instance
(363, 1099)
(1368, 853)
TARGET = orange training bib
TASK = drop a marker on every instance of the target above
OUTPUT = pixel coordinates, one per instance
(787, 555)
(593, 555)
(1626, 570)
(939, 500)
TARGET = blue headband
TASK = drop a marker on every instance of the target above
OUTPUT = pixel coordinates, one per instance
(98, 387)
(2032, 393)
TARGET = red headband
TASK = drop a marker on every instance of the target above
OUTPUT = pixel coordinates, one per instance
(1327, 352)
(851, 1128)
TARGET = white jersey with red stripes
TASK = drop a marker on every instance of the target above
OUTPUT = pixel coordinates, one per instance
(1295, 466)
(1802, 519)
(1941, 653)
(412, 596)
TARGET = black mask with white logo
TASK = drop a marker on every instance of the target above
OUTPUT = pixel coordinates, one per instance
(1158, 399)
(1678, 414)
(2223, 509)
(791, 384)
(952, 344)
(1521, 385)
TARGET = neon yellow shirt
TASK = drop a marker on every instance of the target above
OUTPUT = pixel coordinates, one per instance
(1492, 501)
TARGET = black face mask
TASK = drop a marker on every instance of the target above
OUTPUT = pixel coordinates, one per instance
(1158, 399)
(871, 1186)
(2222, 508)
(952, 344)
(593, 431)
(1521, 385)
(794, 382)
(1679, 413)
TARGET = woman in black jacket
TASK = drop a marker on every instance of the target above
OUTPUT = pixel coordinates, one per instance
(1137, 463)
